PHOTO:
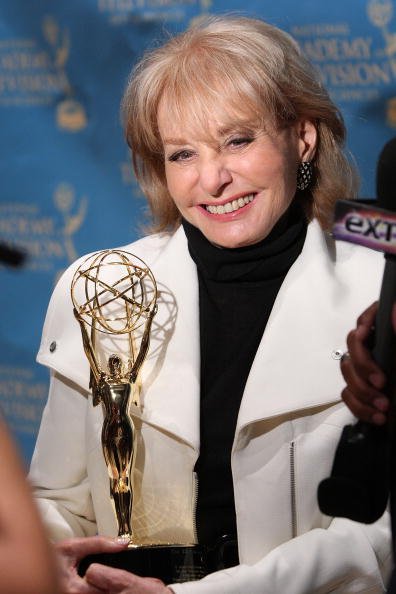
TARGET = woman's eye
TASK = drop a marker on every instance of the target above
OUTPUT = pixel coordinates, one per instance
(240, 141)
(180, 156)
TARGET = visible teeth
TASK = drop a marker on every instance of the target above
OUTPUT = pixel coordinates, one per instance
(229, 206)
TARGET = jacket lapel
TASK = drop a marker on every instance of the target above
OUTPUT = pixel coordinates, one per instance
(170, 375)
(297, 364)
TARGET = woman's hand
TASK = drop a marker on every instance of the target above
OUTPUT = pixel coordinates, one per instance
(117, 581)
(365, 381)
(69, 554)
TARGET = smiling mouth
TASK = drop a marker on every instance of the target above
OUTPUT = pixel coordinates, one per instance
(231, 206)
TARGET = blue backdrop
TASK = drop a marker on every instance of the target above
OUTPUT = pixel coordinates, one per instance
(66, 183)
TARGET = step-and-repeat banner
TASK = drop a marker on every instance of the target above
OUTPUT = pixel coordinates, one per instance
(66, 185)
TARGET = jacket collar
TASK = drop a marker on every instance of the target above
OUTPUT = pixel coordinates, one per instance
(170, 375)
(297, 363)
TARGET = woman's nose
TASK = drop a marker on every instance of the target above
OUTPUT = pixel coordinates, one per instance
(214, 176)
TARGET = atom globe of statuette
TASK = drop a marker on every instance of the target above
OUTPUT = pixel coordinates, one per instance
(118, 292)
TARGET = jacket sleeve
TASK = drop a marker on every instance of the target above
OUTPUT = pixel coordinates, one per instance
(345, 558)
(58, 470)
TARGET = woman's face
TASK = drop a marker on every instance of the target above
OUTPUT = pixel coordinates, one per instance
(233, 183)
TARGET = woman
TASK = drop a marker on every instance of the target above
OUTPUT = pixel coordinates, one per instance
(234, 137)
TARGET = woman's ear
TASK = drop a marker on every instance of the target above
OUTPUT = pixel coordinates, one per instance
(307, 139)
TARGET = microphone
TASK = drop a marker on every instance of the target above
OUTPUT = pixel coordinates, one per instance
(384, 351)
(11, 256)
(359, 485)
(386, 176)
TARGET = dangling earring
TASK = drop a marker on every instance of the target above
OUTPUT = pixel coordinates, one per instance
(304, 175)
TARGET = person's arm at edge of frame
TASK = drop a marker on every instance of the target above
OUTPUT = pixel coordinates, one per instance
(27, 563)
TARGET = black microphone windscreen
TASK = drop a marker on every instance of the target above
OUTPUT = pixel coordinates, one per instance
(11, 256)
(386, 176)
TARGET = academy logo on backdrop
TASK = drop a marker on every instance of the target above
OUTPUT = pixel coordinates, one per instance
(27, 75)
(22, 396)
(121, 11)
(353, 68)
(70, 113)
(35, 74)
(380, 13)
(73, 214)
(47, 238)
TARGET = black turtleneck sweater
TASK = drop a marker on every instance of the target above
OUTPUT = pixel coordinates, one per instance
(237, 289)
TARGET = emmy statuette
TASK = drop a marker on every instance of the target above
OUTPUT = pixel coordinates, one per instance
(114, 298)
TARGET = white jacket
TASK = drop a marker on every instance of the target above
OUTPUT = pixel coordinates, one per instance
(288, 426)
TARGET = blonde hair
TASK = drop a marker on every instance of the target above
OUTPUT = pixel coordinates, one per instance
(247, 67)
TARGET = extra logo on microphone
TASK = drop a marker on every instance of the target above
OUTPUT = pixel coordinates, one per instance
(369, 226)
